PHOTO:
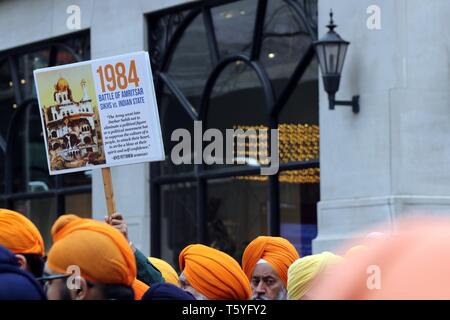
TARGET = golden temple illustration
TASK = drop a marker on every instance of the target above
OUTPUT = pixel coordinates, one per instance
(73, 137)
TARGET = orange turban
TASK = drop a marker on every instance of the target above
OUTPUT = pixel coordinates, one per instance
(101, 251)
(139, 289)
(411, 264)
(19, 234)
(168, 272)
(214, 273)
(278, 252)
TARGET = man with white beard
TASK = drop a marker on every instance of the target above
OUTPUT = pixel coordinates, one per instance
(265, 262)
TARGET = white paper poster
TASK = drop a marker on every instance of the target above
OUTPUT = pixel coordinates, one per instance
(99, 113)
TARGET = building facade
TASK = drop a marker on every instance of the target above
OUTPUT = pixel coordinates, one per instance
(243, 64)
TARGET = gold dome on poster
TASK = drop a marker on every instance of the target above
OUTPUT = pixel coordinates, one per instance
(61, 85)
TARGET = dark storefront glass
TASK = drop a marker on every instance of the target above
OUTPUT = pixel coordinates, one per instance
(237, 101)
(258, 51)
(169, 123)
(236, 19)
(285, 41)
(42, 212)
(178, 219)
(191, 62)
(237, 213)
(27, 187)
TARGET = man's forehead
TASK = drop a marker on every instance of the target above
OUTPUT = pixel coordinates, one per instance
(264, 270)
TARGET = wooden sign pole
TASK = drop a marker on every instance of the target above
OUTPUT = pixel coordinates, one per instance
(109, 193)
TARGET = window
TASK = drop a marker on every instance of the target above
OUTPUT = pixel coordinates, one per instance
(236, 64)
(25, 183)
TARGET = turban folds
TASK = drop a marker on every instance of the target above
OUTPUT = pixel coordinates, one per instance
(168, 272)
(101, 251)
(139, 288)
(18, 234)
(214, 273)
(303, 272)
(277, 251)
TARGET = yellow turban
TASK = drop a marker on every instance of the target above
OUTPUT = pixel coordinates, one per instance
(101, 251)
(19, 234)
(303, 271)
(168, 272)
(277, 251)
(214, 273)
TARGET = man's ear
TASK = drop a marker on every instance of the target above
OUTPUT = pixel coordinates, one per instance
(22, 261)
(81, 292)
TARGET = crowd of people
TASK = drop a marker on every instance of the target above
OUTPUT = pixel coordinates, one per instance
(94, 260)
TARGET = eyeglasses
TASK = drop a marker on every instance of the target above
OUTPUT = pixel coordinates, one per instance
(50, 277)
(47, 278)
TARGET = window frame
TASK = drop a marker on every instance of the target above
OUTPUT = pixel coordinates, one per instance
(274, 104)
(24, 103)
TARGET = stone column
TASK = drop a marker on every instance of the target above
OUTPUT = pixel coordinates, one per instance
(393, 158)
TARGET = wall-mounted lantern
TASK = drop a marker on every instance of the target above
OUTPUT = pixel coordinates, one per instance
(331, 50)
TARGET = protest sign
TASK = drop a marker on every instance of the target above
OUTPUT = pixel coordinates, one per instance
(99, 113)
